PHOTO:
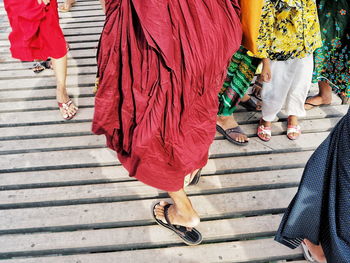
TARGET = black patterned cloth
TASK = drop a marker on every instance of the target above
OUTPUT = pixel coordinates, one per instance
(320, 211)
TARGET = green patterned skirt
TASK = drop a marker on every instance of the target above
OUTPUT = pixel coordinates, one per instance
(332, 61)
(240, 74)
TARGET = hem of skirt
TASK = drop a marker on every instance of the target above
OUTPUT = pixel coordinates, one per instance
(21, 57)
(292, 243)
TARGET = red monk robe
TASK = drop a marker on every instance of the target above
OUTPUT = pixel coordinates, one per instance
(161, 65)
(36, 33)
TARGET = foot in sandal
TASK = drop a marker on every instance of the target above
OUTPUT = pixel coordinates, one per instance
(182, 224)
(66, 106)
(293, 128)
(66, 6)
(264, 130)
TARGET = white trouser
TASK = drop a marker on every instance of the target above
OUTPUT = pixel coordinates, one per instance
(290, 83)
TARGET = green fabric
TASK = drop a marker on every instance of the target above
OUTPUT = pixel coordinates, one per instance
(240, 74)
(332, 61)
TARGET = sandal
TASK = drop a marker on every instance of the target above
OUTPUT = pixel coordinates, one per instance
(250, 105)
(256, 90)
(64, 8)
(40, 66)
(262, 130)
(293, 129)
(236, 130)
(190, 237)
(188, 181)
(314, 105)
(65, 107)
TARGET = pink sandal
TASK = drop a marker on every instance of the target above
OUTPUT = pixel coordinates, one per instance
(262, 130)
(65, 107)
(293, 129)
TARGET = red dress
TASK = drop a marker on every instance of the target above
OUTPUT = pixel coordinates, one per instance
(161, 65)
(36, 33)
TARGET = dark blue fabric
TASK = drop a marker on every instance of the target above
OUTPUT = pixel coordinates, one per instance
(320, 211)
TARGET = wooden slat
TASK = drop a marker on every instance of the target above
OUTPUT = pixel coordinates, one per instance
(27, 66)
(85, 53)
(44, 104)
(103, 157)
(243, 117)
(135, 212)
(30, 74)
(241, 251)
(54, 130)
(42, 93)
(131, 237)
(137, 190)
(45, 116)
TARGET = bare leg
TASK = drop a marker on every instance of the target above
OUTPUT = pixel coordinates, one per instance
(228, 122)
(316, 251)
(323, 97)
(60, 69)
(181, 212)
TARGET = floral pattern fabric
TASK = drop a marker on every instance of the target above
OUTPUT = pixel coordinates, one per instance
(332, 60)
(289, 29)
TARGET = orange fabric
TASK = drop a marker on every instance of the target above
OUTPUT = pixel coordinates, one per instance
(250, 15)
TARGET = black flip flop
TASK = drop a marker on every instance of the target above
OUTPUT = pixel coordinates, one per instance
(190, 238)
(227, 132)
(314, 105)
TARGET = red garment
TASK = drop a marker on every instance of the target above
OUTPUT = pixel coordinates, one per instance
(161, 65)
(36, 33)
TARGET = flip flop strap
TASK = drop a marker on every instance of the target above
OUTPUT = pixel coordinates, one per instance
(235, 130)
(166, 216)
(173, 227)
(65, 105)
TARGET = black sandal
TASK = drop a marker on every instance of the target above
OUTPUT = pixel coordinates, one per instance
(250, 105)
(227, 132)
(40, 66)
(190, 238)
(194, 180)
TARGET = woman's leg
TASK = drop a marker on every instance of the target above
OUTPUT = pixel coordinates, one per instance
(60, 69)
(181, 212)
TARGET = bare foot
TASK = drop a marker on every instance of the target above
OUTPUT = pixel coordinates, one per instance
(316, 251)
(69, 111)
(324, 96)
(184, 217)
(229, 122)
(316, 101)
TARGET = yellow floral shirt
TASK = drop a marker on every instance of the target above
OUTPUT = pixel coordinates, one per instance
(288, 29)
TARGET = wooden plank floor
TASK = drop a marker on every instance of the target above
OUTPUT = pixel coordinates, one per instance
(65, 198)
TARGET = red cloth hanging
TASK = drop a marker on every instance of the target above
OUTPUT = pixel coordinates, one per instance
(36, 33)
(161, 65)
